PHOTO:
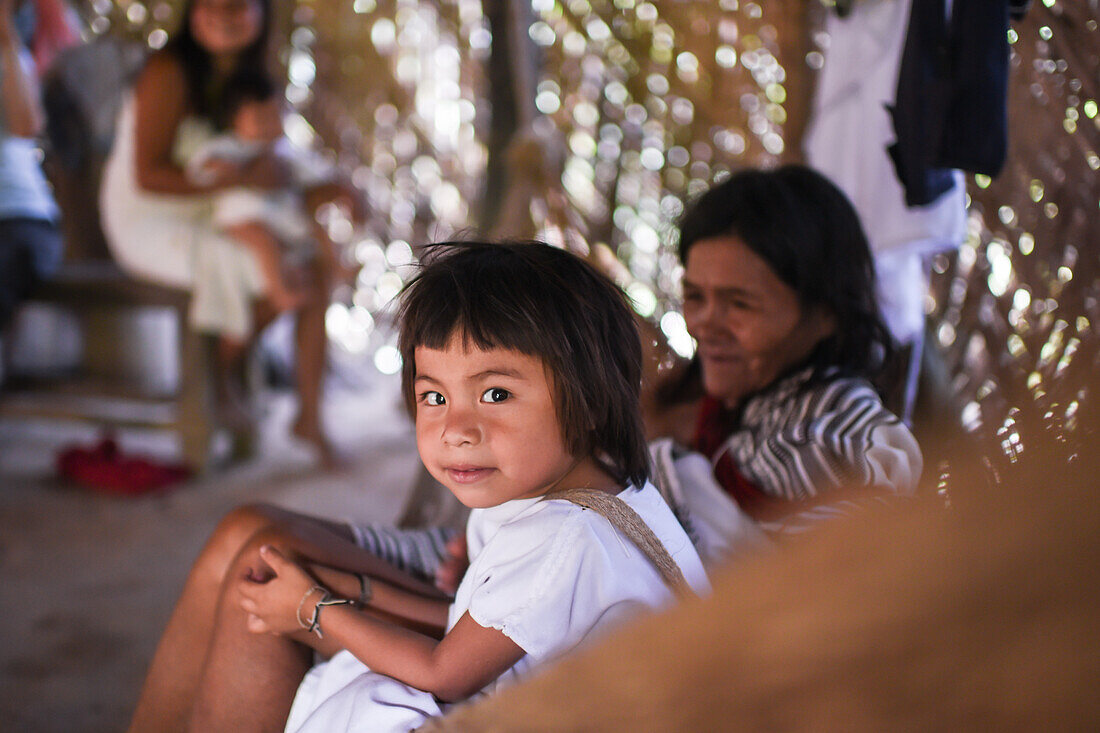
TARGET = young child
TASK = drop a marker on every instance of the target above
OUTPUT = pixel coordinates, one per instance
(522, 366)
(275, 223)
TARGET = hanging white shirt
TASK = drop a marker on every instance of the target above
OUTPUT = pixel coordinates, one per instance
(846, 140)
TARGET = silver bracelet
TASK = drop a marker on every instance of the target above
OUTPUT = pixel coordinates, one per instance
(302, 622)
(326, 600)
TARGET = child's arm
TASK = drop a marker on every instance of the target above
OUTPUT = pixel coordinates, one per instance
(468, 657)
(388, 601)
(208, 169)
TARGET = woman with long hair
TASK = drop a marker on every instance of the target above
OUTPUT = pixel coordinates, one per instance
(158, 222)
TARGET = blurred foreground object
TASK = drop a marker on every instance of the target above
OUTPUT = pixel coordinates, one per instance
(983, 615)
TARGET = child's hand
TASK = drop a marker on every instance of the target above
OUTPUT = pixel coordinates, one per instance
(272, 605)
(217, 172)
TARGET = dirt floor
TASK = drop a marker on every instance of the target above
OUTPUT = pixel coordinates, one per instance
(87, 581)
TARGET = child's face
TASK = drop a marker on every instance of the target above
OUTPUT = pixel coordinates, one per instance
(259, 121)
(487, 426)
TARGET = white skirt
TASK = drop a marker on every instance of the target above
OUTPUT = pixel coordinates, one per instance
(344, 696)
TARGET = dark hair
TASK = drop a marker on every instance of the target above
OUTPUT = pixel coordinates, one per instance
(245, 87)
(206, 93)
(809, 234)
(544, 302)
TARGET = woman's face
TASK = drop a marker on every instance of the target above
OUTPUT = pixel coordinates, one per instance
(749, 324)
(226, 27)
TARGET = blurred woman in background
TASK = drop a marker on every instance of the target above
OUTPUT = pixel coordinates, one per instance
(158, 222)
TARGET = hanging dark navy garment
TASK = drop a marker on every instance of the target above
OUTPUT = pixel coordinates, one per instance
(951, 106)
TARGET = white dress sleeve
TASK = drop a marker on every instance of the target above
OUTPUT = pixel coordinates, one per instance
(531, 580)
(559, 574)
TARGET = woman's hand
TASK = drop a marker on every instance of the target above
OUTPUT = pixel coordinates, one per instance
(272, 604)
(217, 172)
(450, 572)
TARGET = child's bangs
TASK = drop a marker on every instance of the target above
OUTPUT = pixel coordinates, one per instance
(486, 311)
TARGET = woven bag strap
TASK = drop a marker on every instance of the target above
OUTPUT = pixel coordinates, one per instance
(627, 521)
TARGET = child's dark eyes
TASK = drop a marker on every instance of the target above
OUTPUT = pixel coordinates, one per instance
(432, 398)
(495, 394)
(491, 395)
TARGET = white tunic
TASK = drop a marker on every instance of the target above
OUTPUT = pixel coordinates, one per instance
(172, 239)
(548, 574)
(846, 140)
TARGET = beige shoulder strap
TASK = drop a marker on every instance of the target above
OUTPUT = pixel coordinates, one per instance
(627, 521)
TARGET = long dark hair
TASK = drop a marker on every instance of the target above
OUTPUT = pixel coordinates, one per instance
(809, 234)
(205, 92)
(541, 301)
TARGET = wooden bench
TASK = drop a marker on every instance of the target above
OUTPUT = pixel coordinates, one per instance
(82, 98)
(101, 294)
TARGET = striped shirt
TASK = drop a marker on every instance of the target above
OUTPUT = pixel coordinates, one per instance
(796, 445)
(798, 441)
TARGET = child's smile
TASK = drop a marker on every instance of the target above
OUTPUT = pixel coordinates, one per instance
(467, 474)
(487, 426)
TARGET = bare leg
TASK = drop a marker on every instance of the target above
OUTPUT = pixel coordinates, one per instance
(248, 681)
(177, 668)
(177, 664)
(311, 342)
(232, 402)
(174, 672)
(258, 238)
(232, 397)
(333, 269)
